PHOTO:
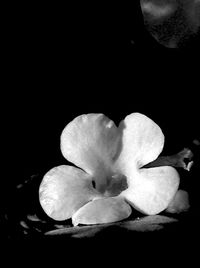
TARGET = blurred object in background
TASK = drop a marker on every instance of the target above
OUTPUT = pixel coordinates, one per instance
(173, 23)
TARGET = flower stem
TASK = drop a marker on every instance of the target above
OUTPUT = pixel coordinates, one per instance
(183, 159)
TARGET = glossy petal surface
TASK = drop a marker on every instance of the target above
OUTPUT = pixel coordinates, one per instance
(142, 142)
(104, 210)
(91, 142)
(151, 190)
(63, 190)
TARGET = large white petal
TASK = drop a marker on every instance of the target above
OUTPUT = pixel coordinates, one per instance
(152, 189)
(91, 142)
(142, 142)
(63, 190)
(104, 210)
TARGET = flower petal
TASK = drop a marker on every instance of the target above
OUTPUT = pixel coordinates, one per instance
(91, 142)
(104, 210)
(63, 190)
(142, 142)
(179, 203)
(152, 189)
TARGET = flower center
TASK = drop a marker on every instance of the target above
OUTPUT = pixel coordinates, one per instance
(116, 184)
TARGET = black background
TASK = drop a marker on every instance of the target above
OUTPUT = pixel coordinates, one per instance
(66, 60)
(71, 59)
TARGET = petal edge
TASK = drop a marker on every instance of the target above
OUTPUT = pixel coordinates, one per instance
(151, 190)
(142, 142)
(63, 190)
(103, 210)
(90, 141)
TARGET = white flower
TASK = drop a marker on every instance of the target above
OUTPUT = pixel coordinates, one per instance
(109, 177)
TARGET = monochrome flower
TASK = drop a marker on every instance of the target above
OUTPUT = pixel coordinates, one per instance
(109, 175)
